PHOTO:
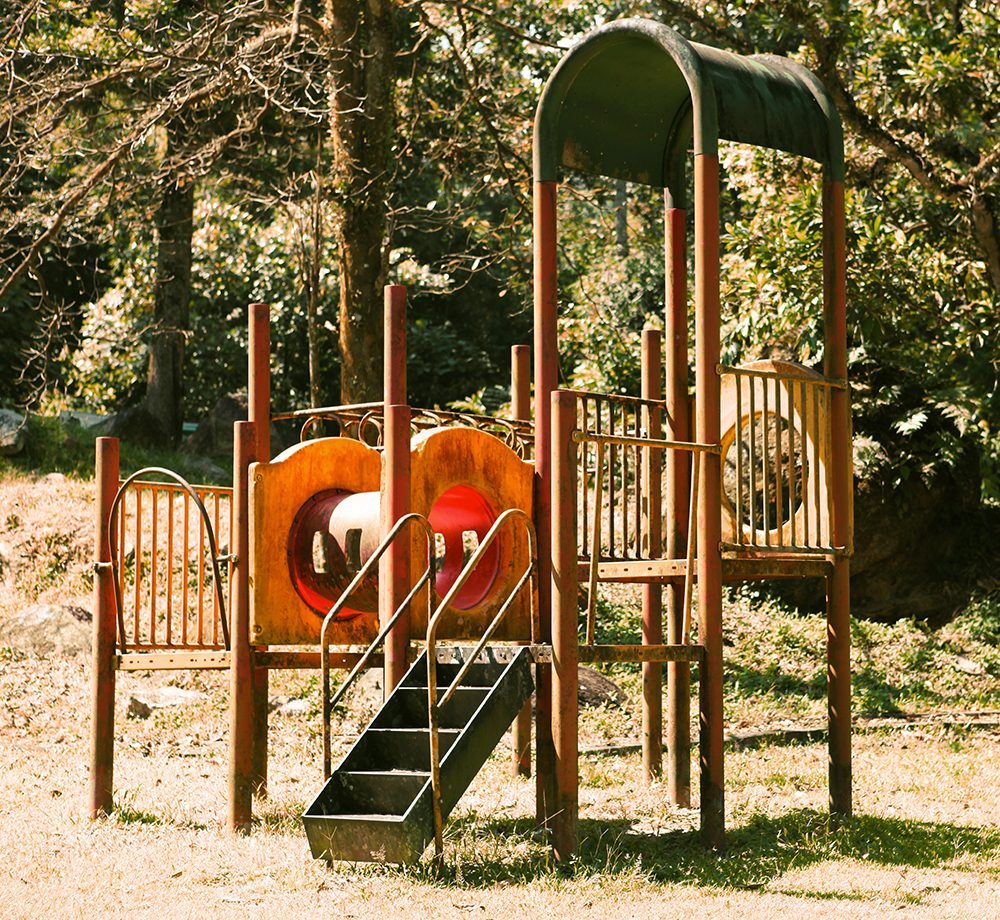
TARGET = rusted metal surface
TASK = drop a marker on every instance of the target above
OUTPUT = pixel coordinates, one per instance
(678, 485)
(259, 413)
(167, 508)
(394, 573)
(425, 581)
(709, 524)
(565, 640)
(838, 585)
(621, 654)
(546, 355)
(172, 661)
(651, 501)
(520, 404)
(102, 739)
(436, 702)
(284, 659)
(241, 702)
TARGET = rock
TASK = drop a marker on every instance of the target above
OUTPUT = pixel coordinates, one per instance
(13, 433)
(290, 706)
(214, 434)
(135, 425)
(48, 629)
(143, 704)
(84, 419)
(6, 560)
(597, 690)
(967, 665)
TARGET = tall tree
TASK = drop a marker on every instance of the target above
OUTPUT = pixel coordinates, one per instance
(362, 76)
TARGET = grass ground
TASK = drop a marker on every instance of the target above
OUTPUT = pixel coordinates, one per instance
(925, 842)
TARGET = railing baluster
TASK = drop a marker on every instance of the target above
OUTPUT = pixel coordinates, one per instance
(753, 463)
(779, 465)
(215, 593)
(804, 450)
(765, 451)
(153, 503)
(637, 485)
(171, 494)
(201, 574)
(791, 460)
(740, 535)
(584, 460)
(122, 526)
(821, 538)
(186, 553)
(136, 637)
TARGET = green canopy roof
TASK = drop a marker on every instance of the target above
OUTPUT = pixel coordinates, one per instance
(628, 99)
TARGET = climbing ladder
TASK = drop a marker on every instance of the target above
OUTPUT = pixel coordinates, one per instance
(390, 795)
(378, 804)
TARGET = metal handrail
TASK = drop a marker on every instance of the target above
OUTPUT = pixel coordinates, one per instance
(426, 578)
(433, 705)
(113, 542)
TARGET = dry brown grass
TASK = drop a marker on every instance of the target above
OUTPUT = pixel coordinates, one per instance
(926, 842)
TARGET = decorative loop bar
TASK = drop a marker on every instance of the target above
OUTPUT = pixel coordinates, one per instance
(433, 705)
(427, 578)
(116, 543)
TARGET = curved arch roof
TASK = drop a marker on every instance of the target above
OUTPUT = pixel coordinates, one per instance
(628, 99)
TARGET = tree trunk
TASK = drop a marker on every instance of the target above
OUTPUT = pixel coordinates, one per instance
(363, 77)
(165, 376)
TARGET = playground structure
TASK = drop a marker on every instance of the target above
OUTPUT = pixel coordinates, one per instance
(451, 549)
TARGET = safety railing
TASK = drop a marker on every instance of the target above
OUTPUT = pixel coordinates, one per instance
(775, 462)
(652, 450)
(426, 579)
(364, 422)
(621, 466)
(166, 567)
(434, 705)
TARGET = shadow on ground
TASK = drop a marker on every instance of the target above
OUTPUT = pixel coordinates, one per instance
(480, 853)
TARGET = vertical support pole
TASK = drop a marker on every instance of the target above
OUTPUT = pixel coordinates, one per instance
(102, 740)
(652, 594)
(709, 567)
(838, 614)
(241, 700)
(546, 353)
(565, 638)
(678, 728)
(520, 399)
(394, 569)
(259, 414)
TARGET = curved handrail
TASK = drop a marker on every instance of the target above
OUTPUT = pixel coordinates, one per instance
(433, 705)
(426, 578)
(113, 543)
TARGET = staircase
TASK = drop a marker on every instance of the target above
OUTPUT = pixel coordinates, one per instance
(377, 805)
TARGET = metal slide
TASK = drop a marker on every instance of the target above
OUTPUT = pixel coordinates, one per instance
(377, 806)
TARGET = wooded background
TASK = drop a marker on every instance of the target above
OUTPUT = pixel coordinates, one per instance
(164, 164)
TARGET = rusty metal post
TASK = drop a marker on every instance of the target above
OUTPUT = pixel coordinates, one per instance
(102, 741)
(652, 594)
(709, 523)
(241, 699)
(838, 583)
(520, 400)
(259, 413)
(678, 727)
(546, 353)
(565, 638)
(394, 568)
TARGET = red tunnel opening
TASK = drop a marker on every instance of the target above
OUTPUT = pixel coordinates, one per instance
(461, 518)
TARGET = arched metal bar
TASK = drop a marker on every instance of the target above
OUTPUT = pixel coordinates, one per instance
(113, 526)
(433, 705)
(427, 578)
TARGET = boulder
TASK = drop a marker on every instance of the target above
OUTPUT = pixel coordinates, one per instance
(84, 419)
(214, 434)
(594, 689)
(135, 425)
(48, 629)
(289, 706)
(13, 433)
(143, 704)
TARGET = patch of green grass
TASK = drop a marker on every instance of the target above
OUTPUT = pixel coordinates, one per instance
(53, 446)
(481, 853)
